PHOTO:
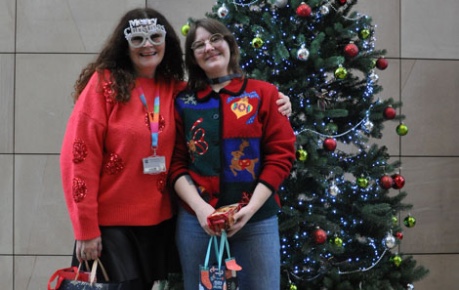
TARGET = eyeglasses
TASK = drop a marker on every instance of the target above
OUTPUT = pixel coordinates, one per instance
(200, 46)
(138, 39)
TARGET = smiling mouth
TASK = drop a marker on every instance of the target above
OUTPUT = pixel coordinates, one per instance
(213, 55)
(148, 53)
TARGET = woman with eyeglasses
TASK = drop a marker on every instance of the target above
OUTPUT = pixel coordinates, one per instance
(232, 143)
(117, 149)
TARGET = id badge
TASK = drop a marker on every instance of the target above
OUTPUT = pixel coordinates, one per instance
(154, 164)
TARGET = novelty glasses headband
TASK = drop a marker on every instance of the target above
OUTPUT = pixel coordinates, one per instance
(141, 30)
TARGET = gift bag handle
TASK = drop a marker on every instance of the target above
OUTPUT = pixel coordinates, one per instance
(221, 249)
(212, 240)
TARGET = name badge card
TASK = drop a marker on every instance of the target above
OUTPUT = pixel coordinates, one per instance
(154, 164)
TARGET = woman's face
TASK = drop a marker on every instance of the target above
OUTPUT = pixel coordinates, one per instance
(147, 57)
(212, 53)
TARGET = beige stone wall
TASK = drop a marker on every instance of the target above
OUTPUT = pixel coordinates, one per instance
(44, 44)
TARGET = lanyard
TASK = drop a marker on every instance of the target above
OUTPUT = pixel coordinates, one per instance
(153, 117)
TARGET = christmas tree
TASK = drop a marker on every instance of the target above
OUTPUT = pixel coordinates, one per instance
(342, 218)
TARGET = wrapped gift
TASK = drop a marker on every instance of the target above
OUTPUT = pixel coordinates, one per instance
(223, 217)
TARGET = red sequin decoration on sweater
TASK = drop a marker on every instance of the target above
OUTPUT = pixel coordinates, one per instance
(109, 92)
(79, 189)
(161, 183)
(80, 151)
(114, 164)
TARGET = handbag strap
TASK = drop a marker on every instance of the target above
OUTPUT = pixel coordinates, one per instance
(92, 277)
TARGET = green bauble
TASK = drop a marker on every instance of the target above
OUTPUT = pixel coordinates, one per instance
(340, 73)
(362, 182)
(397, 260)
(257, 42)
(402, 129)
(338, 242)
(301, 155)
(409, 221)
(365, 33)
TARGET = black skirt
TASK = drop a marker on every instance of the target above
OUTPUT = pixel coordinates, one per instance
(133, 253)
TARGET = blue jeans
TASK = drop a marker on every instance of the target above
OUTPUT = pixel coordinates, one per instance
(256, 248)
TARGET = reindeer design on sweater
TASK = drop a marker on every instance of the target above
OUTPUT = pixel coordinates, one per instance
(238, 164)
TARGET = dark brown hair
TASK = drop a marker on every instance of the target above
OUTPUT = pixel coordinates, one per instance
(115, 57)
(197, 78)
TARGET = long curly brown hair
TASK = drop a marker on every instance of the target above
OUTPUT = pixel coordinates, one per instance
(115, 57)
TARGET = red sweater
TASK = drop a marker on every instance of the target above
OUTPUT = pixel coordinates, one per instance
(101, 158)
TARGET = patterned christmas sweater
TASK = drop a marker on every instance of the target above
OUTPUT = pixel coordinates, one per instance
(231, 140)
(101, 157)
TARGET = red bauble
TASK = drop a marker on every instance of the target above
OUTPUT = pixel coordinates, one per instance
(320, 236)
(351, 50)
(329, 144)
(342, 2)
(382, 63)
(386, 182)
(399, 181)
(399, 235)
(303, 10)
(389, 113)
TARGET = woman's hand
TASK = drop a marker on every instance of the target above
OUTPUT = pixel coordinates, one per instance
(89, 249)
(240, 219)
(202, 215)
(285, 106)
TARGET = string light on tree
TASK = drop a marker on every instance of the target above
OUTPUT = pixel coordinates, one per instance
(373, 76)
